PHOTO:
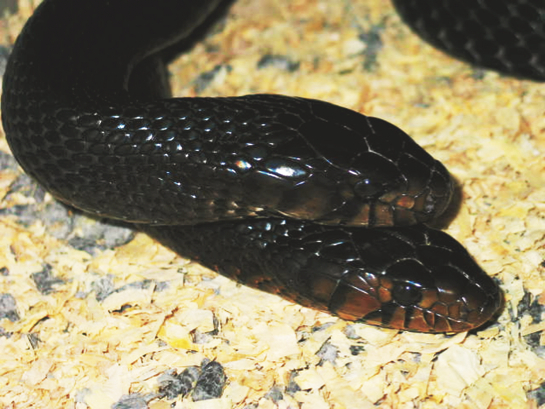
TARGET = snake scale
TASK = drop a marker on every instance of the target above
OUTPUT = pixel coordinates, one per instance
(298, 197)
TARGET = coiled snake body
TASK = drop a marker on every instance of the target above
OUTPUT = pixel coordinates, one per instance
(298, 197)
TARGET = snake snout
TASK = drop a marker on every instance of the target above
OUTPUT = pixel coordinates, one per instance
(462, 302)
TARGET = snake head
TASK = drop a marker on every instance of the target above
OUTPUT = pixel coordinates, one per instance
(361, 171)
(415, 279)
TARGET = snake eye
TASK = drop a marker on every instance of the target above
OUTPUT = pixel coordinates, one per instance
(377, 175)
(406, 294)
(366, 188)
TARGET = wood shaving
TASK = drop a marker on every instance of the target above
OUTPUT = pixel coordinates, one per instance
(116, 317)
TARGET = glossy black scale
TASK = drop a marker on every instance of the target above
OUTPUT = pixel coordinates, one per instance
(503, 35)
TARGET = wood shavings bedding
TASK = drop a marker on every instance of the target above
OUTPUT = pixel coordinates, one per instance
(97, 323)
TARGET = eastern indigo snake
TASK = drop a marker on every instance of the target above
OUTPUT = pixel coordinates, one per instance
(298, 197)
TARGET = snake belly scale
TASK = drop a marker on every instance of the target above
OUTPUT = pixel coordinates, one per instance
(298, 197)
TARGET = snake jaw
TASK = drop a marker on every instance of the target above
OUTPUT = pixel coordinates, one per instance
(438, 319)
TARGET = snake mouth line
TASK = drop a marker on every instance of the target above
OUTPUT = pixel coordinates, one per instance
(457, 318)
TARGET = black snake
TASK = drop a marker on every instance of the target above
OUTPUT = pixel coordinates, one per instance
(297, 197)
